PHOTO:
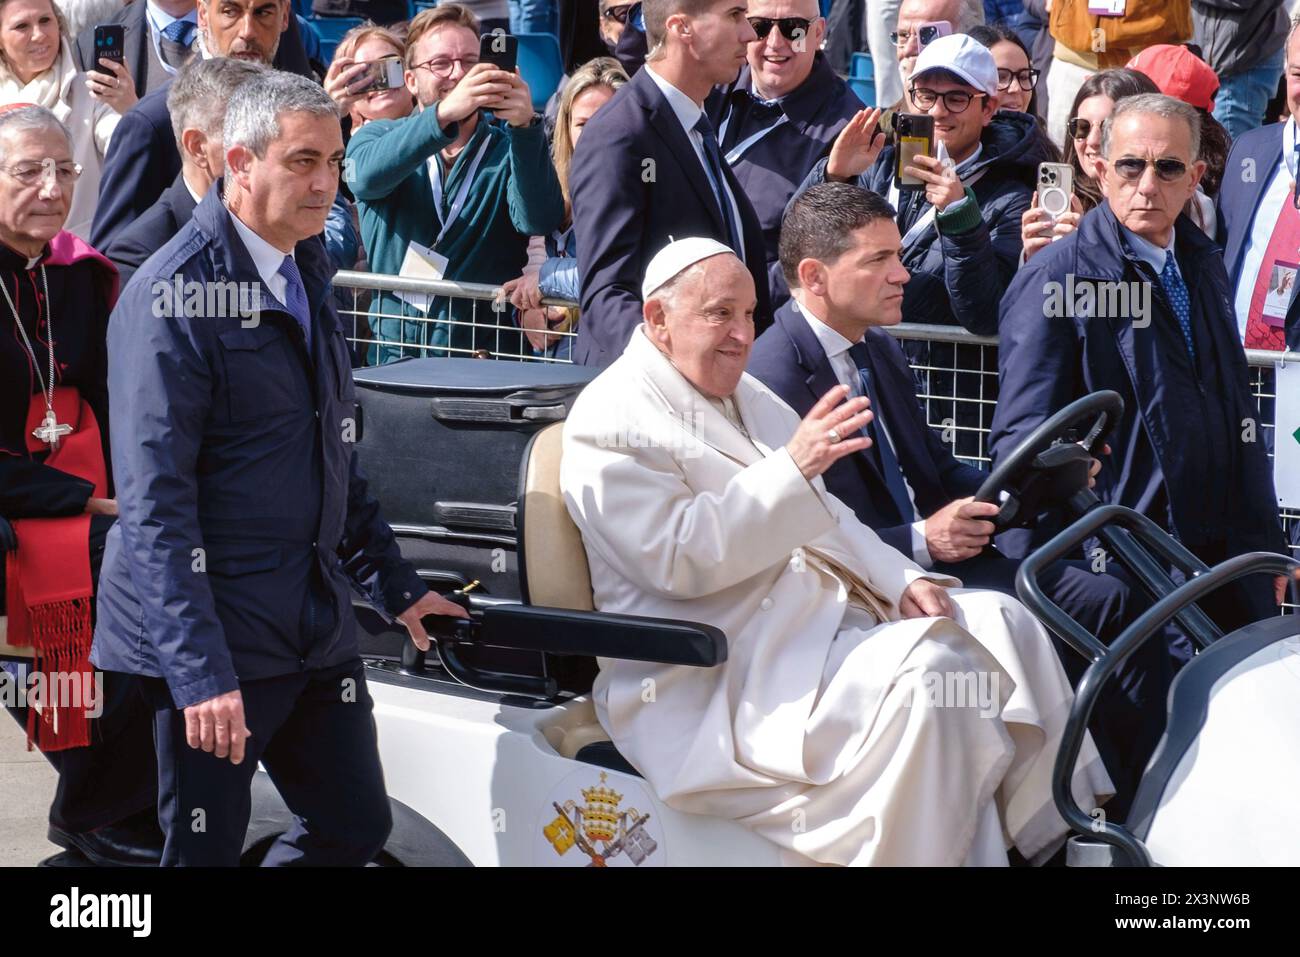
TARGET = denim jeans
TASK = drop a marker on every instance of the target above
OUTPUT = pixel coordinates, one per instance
(1240, 103)
(533, 16)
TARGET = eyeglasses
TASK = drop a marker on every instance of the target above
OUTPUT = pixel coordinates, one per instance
(1079, 129)
(927, 35)
(792, 28)
(1132, 167)
(954, 101)
(29, 174)
(618, 13)
(442, 66)
(1028, 79)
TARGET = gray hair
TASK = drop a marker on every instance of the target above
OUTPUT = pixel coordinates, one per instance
(1153, 104)
(29, 119)
(197, 99)
(253, 114)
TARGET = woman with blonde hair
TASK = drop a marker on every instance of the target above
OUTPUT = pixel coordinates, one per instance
(37, 67)
(555, 275)
(348, 86)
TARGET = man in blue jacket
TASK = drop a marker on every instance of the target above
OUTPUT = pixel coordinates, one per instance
(961, 231)
(1137, 300)
(233, 415)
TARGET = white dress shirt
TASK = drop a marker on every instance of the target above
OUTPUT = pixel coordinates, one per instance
(266, 258)
(1275, 194)
(837, 349)
(688, 113)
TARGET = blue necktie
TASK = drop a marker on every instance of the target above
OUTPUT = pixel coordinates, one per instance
(886, 461)
(1179, 301)
(180, 31)
(713, 167)
(295, 297)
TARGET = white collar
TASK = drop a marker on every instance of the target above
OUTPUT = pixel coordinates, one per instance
(198, 198)
(1288, 146)
(266, 257)
(831, 341)
(686, 110)
(1151, 254)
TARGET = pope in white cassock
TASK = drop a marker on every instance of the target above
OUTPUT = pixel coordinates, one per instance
(869, 712)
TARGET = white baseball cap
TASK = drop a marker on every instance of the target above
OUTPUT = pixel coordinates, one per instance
(964, 57)
(677, 256)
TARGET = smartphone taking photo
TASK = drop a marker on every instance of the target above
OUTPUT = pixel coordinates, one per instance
(914, 136)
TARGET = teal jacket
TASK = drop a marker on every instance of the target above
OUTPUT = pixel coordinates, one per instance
(514, 195)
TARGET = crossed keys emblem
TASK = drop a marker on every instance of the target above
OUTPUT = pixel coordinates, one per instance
(599, 828)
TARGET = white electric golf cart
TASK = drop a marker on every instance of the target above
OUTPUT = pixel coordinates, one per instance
(493, 755)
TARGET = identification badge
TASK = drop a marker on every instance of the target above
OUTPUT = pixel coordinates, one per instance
(1106, 8)
(421, 262)
(1281, 287)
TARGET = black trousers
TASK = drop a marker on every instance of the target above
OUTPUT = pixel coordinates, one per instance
(1129, 717)
(113, 777)
(314, 731)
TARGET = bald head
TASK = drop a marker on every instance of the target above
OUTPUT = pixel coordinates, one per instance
(703, 321)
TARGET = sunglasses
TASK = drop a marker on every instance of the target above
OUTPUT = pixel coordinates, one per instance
(618, 14)
(926, 36)
(1132, 167)
(1028, 79)
(792, 28)
(1079, 129)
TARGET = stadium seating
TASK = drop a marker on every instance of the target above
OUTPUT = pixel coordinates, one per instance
(540, 65)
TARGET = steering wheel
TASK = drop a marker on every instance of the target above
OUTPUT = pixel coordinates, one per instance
(1050, 465)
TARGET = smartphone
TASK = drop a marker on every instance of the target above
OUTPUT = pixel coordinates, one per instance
(110, 43)
(914, 136)
(499, 49)
(1055, 185)
(384, 74)
(932, 30)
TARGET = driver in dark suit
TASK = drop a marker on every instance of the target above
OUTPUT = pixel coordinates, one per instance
(840, 254)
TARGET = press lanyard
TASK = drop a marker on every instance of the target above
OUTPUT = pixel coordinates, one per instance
(461, 194)
(739, 150)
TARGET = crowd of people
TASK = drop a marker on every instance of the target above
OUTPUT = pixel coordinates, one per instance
(707, 196)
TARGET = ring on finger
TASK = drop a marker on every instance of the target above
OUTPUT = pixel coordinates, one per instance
(833, 436)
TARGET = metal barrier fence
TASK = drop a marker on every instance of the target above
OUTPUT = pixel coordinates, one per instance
(956, 372)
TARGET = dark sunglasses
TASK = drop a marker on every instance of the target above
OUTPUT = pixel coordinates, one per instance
(1079, 129)
(1132, 167)
(619, 13)
(792, 28)
(1028, 79)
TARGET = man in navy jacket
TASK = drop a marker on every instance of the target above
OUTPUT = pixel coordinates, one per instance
(840, 249)
(781, 115)
(233, 418)
(143, 157)
(1137, 300)
(647, 169)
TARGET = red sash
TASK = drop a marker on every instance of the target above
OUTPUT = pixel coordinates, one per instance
(49, 588)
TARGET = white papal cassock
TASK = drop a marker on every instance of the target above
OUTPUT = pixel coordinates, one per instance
(824, 730)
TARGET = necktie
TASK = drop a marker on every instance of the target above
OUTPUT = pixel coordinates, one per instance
(1179, 301)
(177, 38)
(1283, 247)
(883, 452)
(295, 297)
(713, 166)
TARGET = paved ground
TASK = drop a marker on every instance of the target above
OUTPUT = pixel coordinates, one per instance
(26, 789)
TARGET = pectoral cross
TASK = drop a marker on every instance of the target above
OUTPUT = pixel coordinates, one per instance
(51, 430)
